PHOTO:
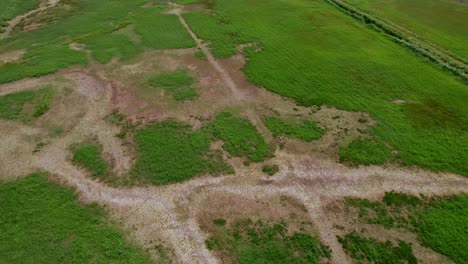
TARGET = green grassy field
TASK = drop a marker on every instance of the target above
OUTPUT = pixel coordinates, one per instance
(247, 241)
(170, 152)
(26, 105)
(315, 54)
(42, 222)
(439, 222)
(241, 138)
(442, 22)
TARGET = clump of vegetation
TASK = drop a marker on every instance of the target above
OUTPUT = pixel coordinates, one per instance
(439, 222)
(305, 130)
(179, 84)
(366, 152)
(373, 251)
(43, 223)
(89, 156)
(270, 169)
(247, 241)
(241, 138)
(171, 152)
(26, 105)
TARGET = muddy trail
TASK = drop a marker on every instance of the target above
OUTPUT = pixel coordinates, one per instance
(167, 215)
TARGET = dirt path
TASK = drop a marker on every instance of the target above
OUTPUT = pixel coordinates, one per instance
(236, 93)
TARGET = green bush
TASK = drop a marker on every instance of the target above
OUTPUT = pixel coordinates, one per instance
(241, 138)
(43, 223)
(305, 130)
(270, 169)
(365, 152)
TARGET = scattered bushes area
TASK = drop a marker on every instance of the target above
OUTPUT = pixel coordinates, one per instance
(373, 251)
(41, 222)
(241, 138)
(178, 84)
(439, 222)
(305, 130)
(316, 56)
(366, 152)
(248, 241)
(171, 152)
(26, 105)
(89, 156)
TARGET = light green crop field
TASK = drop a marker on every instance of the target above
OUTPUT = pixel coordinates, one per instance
(316, 54)
(42, 222)
(442, 22)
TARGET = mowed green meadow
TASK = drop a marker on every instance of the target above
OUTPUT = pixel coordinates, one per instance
(443, 22)
(317, 55)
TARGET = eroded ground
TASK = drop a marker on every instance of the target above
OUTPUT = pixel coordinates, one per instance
(309, 185)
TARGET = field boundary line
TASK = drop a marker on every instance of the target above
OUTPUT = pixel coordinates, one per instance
(431, 51)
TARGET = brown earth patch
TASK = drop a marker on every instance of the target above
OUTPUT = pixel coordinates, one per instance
(11, 56)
